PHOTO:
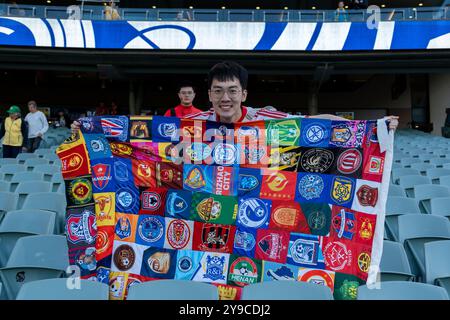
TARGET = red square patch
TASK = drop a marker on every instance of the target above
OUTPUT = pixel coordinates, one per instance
(153, 201)
(213, 237)
(373, 166)
(169, 175)
(272, 245)
(144, 173)
(288, 216)
(278, 185)
(338, 255)
(104, 242)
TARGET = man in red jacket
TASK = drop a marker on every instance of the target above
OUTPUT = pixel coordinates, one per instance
(186, 93)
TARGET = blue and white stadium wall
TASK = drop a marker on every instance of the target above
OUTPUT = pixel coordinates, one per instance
(242, 36)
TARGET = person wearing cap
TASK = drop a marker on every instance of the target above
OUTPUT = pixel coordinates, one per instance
(14, 132)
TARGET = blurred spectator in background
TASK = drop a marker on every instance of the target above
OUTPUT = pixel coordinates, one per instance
(15, 10)
(111, 11)
(114, 109)
(37, 126)
(184, 15)
(341, 14)
(359, 4)
(101, 110)
(62, 120)
(186, 94)
(15, 133)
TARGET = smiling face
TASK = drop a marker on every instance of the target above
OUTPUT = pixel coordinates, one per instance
(227, 98)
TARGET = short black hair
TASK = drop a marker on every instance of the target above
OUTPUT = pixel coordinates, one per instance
(185, 84)
(228, 70)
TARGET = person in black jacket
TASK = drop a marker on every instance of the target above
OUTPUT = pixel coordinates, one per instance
(14, 131)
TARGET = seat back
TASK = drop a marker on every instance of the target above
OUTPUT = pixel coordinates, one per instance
(402, 290)
(440, 206)
(8, 170)
(397, 173)
(409, 182)
(401, 205)
(4, 186)
(437, 260)
(435, 173)
(424, 192)
(396, 191)
(394, 259)
(173, 290)
(414, 226)
(50, 201)
(286, 290)
(63, 289)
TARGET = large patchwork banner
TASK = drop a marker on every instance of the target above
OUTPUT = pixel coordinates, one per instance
(296, 199)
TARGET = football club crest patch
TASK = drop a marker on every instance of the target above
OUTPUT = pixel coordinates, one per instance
(286, 215)
(318, 217)
(101, 176)
(214, 237)
(305, 251)
(195, 178)
(367, 196)
(123, 227)
(105, 208)
(317, 276)
(316, 160)
(159, 263)
(315, 133)
(279, 272)
(150, 230)
(278, 185)
(124, 257)
(342, 190)
(244, 242)
(337, 255)
(127, 199)
(272, 245)
(150, 201)
(244, 271)
(253, 213)
(104, 243)
(344, 223)
(81, 226)
(349, 161)
(115, 127)
(188, 264)
(140, 127)
(213, 268)
(178, 234)
(249, 182)
(311, 186)
(122, 170)
(197, 152)
(178, 204)
(165, 129)
(79, 191)
(225, 154)
(97, 146)
(285, 158)
(283, 132)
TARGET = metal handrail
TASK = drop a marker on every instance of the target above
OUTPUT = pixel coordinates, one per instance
(95, 12)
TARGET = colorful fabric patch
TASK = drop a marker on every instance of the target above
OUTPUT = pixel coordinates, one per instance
(318, 217)
(305, 251)
(285, 158)
(287, 215)
(153, 201)
(272, 245)
(346, 286)
(140, 128)
(159, 263)
(81, 228)
(197, 178)
(244, 271)
(367, 196)
(103, 175)
(284, 132)
(278, 185)
(212, 208)
(213, 237)
(165, 129)
(317, 160)
(315, 133)
(253, 213)
(317, 276)
(347, 134)
(78, 191)
(104, 243)
(178, 234)
(125, 227)
(214, 268)
(115, 128)
(313, 187)
(127, 257)
(188, 264)
(105, 208)
(245, 242)
(178, 204)
(342, 191)
(249, 182)
(150, 230)
(279, 272)
(98, 146)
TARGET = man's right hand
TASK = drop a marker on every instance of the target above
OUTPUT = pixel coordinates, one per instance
(75, 127)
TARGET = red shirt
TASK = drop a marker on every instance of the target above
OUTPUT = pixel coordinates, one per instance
(182, 111)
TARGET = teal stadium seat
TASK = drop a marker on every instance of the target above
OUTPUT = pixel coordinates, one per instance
(409, 182)
(444, 181)
(34, 258)
(286, 290)
(423, 193)
(63, 289)
(396, 206)
(422, 167)
(4, 186)
(435, 173)
(173, 290)
(25, 176)
(414, 231)
(402, 290)
(437, 263)
(394, 265)
(8, 202)
(28, 187)
(22, 223)
(50, 201)
(22, 157)
(440, 207)
(395, 190)
(9, 170)
(397, 173)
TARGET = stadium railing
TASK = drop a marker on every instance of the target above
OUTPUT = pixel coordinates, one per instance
(224, 15)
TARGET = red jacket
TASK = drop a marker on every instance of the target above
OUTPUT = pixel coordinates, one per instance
(181, 111)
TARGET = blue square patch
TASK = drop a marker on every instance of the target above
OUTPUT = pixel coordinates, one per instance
(123, 172)
(198, 178)
(178, 204)
(115, 127)
(103, 175)
(244, 242)
(313, 187)
(342, 191)
(98, 146)
(249, 182)
(254, 213)
(276, 271)
(150, 231)
(127, 198)
(305, 251)
(159, 263)
(315, 133)
(165, 129)
(188, 264)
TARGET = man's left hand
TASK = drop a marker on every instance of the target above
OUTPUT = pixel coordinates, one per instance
(393, 122)
(39, 135)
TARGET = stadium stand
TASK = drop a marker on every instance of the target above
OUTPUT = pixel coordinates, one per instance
(286, 290)
(57, 289)
(402, 290)
(173, 290)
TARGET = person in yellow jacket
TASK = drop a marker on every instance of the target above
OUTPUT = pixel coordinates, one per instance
(14, 132)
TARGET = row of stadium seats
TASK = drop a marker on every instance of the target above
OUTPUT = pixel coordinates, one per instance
(417, 225)
(38, 262)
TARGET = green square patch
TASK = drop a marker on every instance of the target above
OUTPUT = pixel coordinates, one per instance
(213, 208)
(285, 132)
(243, 271)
